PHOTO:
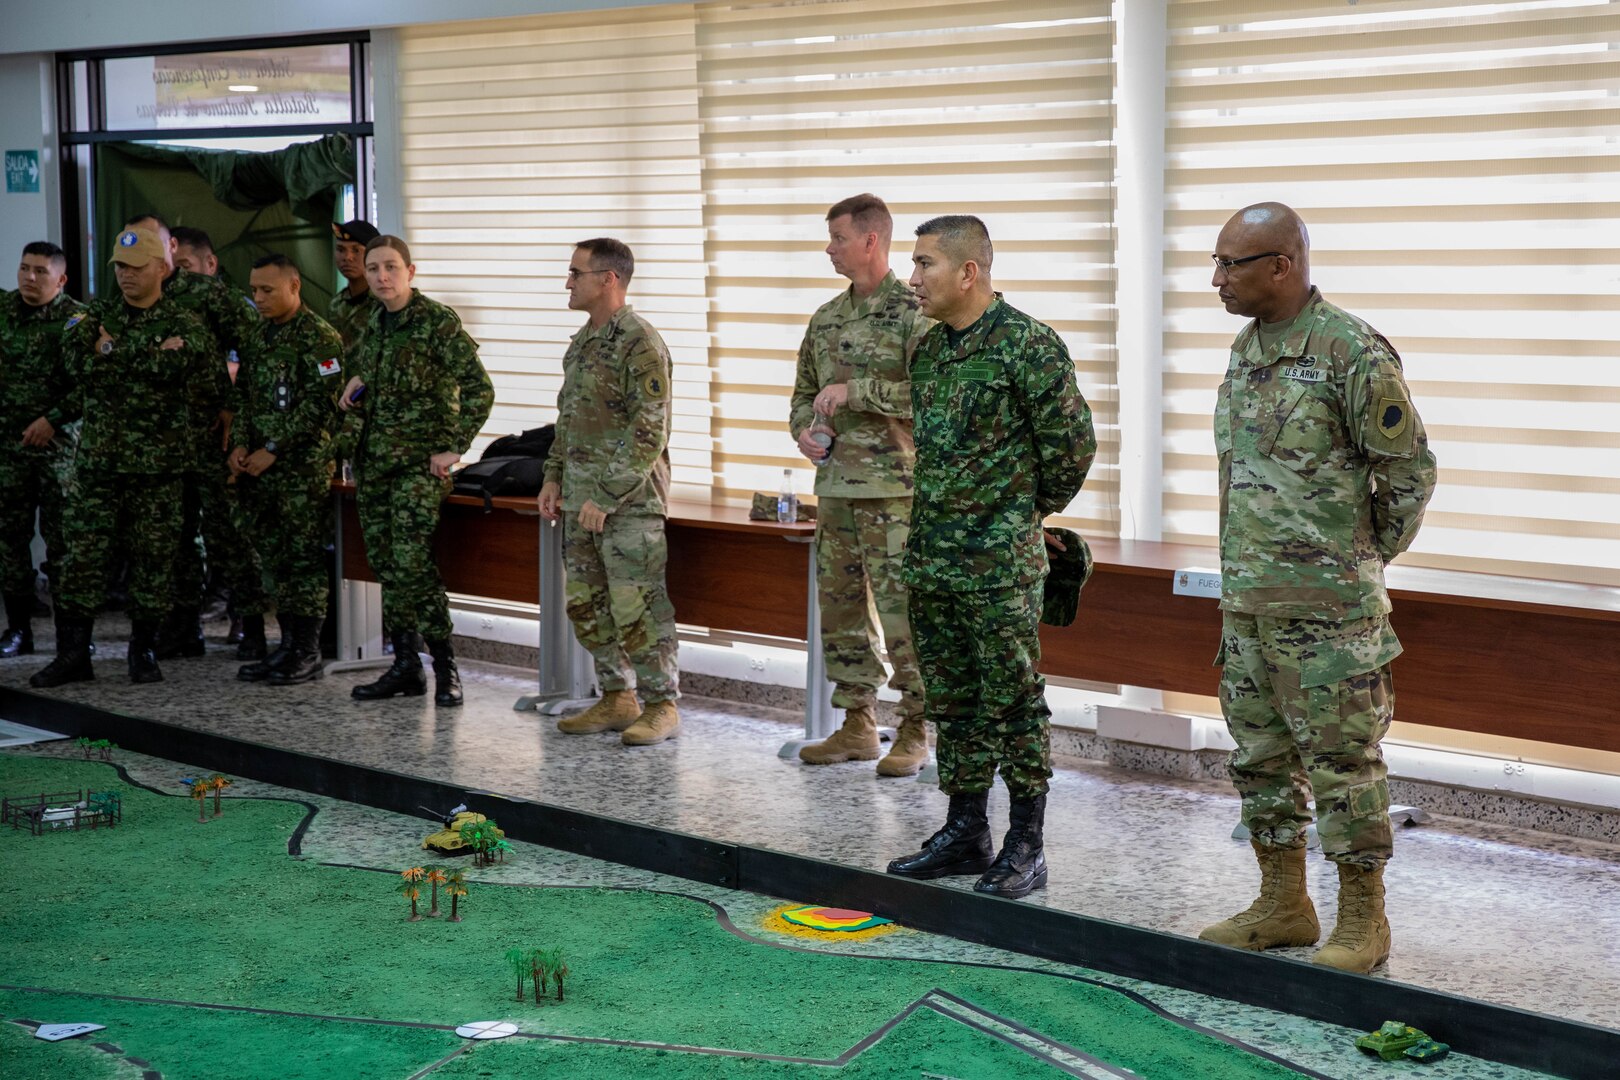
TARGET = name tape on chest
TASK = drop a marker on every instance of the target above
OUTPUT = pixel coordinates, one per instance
(329, 366)
(1304, 374)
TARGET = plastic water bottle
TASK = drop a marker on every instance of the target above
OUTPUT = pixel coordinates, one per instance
(821, 433)
(787, 503)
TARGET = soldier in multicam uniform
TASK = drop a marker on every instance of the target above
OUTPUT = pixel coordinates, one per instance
(132, 360)
(1004, 438)
(207, 511)
(285, 403)
(33, 387)
(1325, 470)
(609, 470)
(854, 386)
(423, 398)
(350, 307)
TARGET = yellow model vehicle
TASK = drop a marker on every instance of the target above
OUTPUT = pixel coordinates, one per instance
(448, 839)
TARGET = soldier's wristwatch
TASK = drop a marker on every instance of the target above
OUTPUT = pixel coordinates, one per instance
(106, 347)
(270, 446)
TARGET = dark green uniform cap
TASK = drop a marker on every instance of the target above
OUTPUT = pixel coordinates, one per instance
(1070, 570)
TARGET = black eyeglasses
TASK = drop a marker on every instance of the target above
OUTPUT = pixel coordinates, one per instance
(1227, 264)
(575, 275)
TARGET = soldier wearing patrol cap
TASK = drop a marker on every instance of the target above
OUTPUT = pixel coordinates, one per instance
(351, 306)
(285, 402)
(33, 446)
(608, 472)
(132, 359)
(851, 415)
(1324, 474)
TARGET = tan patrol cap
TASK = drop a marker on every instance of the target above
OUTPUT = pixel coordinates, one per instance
(137, 247)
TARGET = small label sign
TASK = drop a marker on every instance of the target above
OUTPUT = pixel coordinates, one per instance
(22, 171)
(1196, 581)
(58, 1032)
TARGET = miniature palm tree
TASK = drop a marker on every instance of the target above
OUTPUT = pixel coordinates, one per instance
(217, 784)
(85, 744)
(435, 878)
(412, 891)
(455, 884)
(199, 791)
(499, 849)
(559, 970)
(472, 834)
(518, 961)
(540, 970)
(105, 746)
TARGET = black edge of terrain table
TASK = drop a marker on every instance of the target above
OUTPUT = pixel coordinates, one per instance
(1496, 1032)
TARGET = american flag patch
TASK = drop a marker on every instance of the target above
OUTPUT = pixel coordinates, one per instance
(329, 367)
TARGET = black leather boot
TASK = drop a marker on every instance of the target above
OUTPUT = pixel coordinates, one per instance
(72, 663)
(233, 636)
(446, 679)
(303, 662)
(405, 677)
(1020, 869)
(18, 639)
(260, 670)
(143, 665)
(181, 635)
(252, 646)
(961, 847)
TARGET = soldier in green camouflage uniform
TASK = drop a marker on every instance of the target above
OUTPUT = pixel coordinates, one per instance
(285, 403)
(1004, 438)
(425, 399)
(33, 389)
(208, 508)
(350, 307)
(132, 360)
(1325, 471)
(608, 471)
(853, 386)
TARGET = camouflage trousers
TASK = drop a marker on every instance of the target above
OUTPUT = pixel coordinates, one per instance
(860, 546)
(29, 481)
(133, 515)
(979, 652)
(1307, 703)
(209, 512)
(288, 512)
(399, 513)
(619, 604)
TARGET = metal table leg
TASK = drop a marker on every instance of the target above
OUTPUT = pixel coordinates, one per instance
(567, 670)
(821, 718)
(358, 606)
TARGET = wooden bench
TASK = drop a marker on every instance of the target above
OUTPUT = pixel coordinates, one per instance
(1494, 655)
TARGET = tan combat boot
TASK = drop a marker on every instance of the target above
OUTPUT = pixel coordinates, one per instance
(1281, 915)
(857, 740)
(910, 750)
(661, 721)
(616, 711)
(1360, 939)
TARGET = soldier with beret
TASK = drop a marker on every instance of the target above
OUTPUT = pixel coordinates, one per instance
(607, 477)
(1325, 470)
(419, 397)
(285, 403)
(853, 391)
(33, 446)
(133, 359)
(350, 307)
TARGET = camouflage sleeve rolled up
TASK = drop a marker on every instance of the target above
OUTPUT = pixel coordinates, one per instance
(1383, 423)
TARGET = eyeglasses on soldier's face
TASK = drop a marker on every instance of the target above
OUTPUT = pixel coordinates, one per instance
(1223, 263)
(575, 275)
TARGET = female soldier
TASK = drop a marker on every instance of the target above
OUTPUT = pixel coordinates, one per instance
(420, 396)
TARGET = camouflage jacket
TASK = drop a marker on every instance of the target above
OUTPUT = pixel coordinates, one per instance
(613, 418)
(349, 315)
(287, 391)
(1004, 438)
(1324, 466)
(136, 402)
(867, 344)
(33, 380)
(426, 390)
(234, 322)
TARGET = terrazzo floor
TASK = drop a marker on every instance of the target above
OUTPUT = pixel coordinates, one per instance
(1491, 912)
(352, 835)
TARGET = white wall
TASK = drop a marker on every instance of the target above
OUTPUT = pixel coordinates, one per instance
(25, 121)
(62, 25)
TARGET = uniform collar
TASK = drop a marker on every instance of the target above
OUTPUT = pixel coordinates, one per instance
(974, 339)
(403, 315)
(849, 308)
(615, 322)
(1291, 344)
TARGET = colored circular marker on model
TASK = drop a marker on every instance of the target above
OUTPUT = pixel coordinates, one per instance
(833, 920)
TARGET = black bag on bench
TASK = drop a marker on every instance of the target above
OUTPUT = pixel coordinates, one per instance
(511, 465)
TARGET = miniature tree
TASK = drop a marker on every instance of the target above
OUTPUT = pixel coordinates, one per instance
(217, 784)
(411, 890)
(518, 961)
(559, 969)
(199, 791)
(106, 747)
(85, 744)
(435, 878)
(455, 884)
(499, 849)
(539, 968)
